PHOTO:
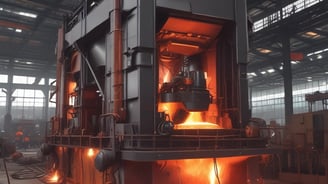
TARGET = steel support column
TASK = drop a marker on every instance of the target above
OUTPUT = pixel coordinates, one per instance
(10, 89)
(242, 51)
(287, 74)
(46, 100)
(245, 111)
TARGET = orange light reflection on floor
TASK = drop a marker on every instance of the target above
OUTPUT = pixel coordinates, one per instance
(54, 178)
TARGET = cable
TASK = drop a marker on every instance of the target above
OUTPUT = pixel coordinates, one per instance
(29, 173)
(82, 165)
(216, 171)
(5, 165)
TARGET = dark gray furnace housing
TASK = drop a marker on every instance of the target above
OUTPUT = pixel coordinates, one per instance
(142, 87)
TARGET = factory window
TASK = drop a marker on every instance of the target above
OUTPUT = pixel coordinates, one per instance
(3, 108)
(323, 85)
(258, 25)
(28, 97)
(52, 95)
(275, 17)
(52, 99)
(3, 97)
(287, 11)
(41, 82)
(52, 82)
(3, 78)
(23, 79)
(298, 6)
(28, 104)
(269, 104)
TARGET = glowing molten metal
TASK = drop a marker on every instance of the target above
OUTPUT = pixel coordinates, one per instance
(91, 152)
(195, 121)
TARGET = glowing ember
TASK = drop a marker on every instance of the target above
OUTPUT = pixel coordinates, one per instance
(166, 77)
(195, 121)
(90, 152)
(54, 178)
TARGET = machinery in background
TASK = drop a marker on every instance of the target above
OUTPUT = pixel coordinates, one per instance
(304, 156)
(24, 133)
(140, 91)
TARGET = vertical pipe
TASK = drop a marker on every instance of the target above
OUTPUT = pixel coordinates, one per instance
(46, 101)
(117, 63)
(115, 108)
(60, 78)
(9, 89)
(156, 73)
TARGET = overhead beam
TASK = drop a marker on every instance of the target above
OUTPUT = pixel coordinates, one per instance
(305, 40)
(49, 5)
(14, 25)
(45, 57)
(42, 38)
(32, 10)
(323, 33)
(318, 12)
(37, 24)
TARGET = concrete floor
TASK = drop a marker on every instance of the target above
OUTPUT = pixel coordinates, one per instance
(31, 170)
(15, 169)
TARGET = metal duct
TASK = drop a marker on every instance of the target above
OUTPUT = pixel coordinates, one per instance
(117, 61)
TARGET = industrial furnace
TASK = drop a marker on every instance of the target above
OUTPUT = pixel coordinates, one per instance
(152, 92)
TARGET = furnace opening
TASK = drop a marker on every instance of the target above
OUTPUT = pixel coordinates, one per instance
(187, 85)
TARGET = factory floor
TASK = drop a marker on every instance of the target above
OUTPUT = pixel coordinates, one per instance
(26, 173)
(32, 172)
(275, 182)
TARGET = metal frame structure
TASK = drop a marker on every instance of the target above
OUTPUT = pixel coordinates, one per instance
(111, 85)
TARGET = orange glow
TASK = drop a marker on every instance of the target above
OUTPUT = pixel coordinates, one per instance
(169, 108)
(185, 45)
(197, 125)
(194, 117)
(196, 171)
(204, 168)
(166, 77)
(214, 173)
(195, 121)
(90, 152)
(54, 178)
(72, 86)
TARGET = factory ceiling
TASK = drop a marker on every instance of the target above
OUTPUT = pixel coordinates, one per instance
(28, 35)
(304, 23)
